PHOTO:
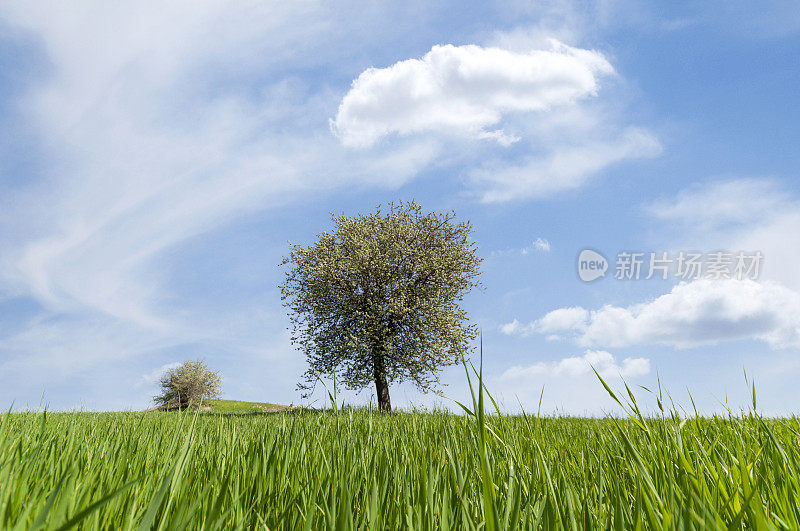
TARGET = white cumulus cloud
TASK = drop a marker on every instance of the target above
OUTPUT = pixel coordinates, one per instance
(573, 367)
(694, 313)
(573, 318)
(465, 90)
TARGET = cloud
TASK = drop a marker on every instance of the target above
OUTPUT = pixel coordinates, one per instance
(691, 314)
(567, 167)
(535, 93)
(154, 376)
(736, 214)
(158, 126)
(147, 148)
(580, 366)
(465, 90)
(557, 320)
(723, 204)
(539, 245)
(514, 327)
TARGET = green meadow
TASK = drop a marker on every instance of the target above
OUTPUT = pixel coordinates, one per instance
(360, 469)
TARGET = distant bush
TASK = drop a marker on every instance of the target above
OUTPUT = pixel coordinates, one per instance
(187, 385)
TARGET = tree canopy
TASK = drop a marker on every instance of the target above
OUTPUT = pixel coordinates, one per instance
(377, 299)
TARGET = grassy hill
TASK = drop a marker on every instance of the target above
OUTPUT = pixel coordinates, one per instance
(238, 406)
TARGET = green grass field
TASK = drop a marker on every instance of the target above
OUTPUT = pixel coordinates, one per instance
(356, 469)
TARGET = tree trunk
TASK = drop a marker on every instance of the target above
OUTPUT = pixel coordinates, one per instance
(381, 386)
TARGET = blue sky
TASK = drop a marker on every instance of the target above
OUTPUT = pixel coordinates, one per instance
(155, 160)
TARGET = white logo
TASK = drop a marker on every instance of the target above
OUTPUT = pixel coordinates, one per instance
(591, 265)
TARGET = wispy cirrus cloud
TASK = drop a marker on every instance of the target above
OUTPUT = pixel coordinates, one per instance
(157, 125)
(153, 377)
(741, 213)
(539, 245)
(566, 167)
